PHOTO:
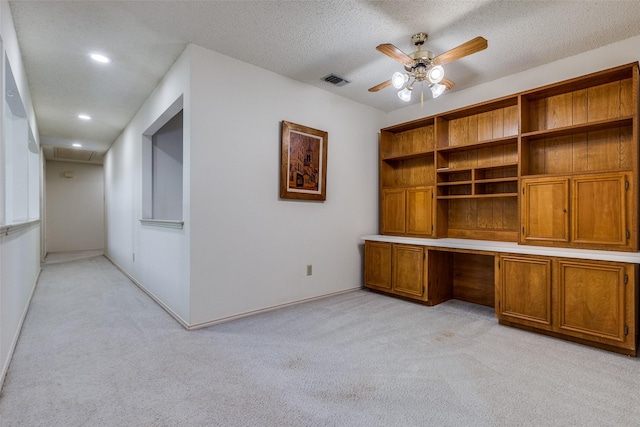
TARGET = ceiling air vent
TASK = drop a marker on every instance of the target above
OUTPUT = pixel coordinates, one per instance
(73, 154)
(335, 80)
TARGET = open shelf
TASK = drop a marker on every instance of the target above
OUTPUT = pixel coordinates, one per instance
(480, 144)
(579, 128)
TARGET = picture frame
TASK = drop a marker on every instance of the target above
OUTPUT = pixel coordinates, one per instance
(303, 162)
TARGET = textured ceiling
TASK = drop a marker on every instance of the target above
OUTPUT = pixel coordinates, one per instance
(304, 40)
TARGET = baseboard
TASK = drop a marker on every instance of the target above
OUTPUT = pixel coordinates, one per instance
(157, 300)
(14, 341)
(188, 327)
(267, 309)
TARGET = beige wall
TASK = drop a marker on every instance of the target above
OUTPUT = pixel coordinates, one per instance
(74, 212)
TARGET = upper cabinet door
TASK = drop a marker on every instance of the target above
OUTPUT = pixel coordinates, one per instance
(420, 211)
(545, 210)
(393, 211)
(599, 212)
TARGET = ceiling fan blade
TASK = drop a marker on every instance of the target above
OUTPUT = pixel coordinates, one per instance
(394, 53)
(472, 46)
(448, 83)
(380, 86)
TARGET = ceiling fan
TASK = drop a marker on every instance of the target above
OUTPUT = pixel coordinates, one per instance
(422, 66)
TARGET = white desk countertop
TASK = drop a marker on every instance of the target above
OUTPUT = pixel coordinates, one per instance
(510, 247)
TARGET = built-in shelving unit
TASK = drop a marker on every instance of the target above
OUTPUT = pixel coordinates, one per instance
(530, 181)
(478, 162)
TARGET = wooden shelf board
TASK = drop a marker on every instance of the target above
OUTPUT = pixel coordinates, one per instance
(512, 139)
(502, 166)
(452, 183)
(494, 180)
(479, 196)
(581, 128)
(407, 156)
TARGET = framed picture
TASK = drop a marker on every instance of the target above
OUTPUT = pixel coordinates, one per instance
(303, 162)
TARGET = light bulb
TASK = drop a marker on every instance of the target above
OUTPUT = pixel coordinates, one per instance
(100, 58)
(405, 95)
(399, 79)
(436, 74)
(437, 90)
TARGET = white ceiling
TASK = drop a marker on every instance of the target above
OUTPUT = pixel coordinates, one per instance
(304, 40)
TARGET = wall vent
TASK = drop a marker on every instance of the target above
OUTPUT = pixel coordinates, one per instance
(335, 80)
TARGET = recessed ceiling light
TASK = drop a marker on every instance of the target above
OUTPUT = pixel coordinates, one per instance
(76, 145)
(84, 117)
(98, 57)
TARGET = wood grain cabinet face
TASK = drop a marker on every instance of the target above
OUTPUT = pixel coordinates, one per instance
(393, 211)
(545, 210)
(586, 211)
(596, 302)
(377, 265)
(599, 212)
(409, 270)
(525, 291)
(419, 211)
(408, 211)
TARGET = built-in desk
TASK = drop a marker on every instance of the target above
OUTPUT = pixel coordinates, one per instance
(588, 296)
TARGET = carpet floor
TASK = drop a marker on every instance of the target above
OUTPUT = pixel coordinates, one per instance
(96, 351)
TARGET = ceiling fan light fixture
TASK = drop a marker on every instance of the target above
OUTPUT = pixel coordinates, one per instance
(435, 74)
(437, 89)
(405, 95)
(399, 79)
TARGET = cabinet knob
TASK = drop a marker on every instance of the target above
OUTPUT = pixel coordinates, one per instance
(564, 210)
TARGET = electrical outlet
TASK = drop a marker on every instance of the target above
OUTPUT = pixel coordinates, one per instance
(309, 270)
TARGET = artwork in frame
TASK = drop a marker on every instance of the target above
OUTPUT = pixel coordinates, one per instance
(303, 164)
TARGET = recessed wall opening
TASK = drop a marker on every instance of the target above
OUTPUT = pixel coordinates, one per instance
(162, 155)
(21, 157)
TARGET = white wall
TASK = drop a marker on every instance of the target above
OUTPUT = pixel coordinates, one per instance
(249, 250)
(241, 248)
(75, 207)
(20, 250)
(615, 54)
(161, 264)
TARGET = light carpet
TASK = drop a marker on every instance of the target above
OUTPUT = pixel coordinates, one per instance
(96, 351)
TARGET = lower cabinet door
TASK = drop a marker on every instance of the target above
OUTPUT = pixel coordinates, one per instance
(525, 291)
(596, 301)
(377, 265)
(409, 270)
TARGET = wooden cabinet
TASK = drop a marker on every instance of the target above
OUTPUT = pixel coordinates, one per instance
(555, 166)
(587, 211)
(407, 211)
(584, 132)
(409, 271)
(406, 181)
(377, 265)
(524, 291)
(599, 210)
(396, 268)
(593, 302)
(393, 210)
(408, 268)
(545, 210)
(596, 302)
